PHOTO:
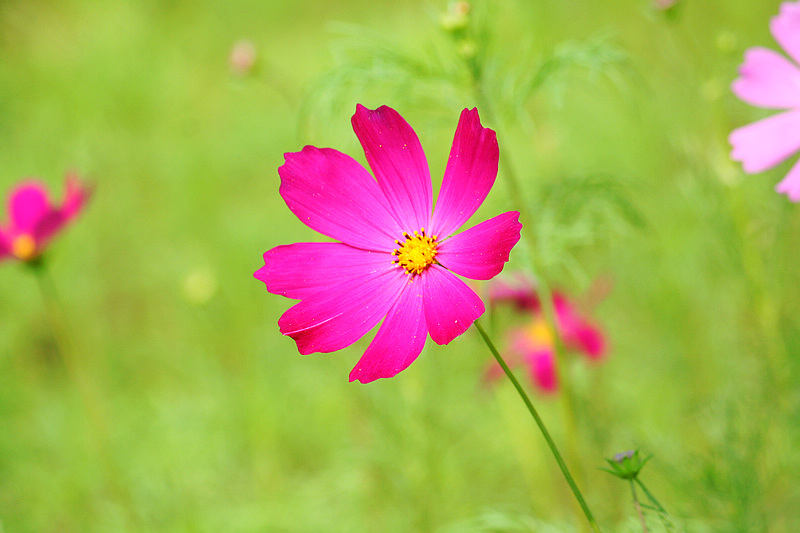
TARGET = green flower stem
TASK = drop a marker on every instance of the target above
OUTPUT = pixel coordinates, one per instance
(638, 507)
(542, 289)
(99, 428)
(650, 496)
(765, 308)
(662, 513)
(546, 434)
(52, 307)
(475, 67)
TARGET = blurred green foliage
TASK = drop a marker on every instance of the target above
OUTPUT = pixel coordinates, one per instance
(186, 410)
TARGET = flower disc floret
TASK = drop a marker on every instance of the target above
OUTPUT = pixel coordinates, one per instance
(416, 253)
(24, 247)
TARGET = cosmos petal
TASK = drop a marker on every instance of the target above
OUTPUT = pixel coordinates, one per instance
(790, 185)
(399, 341)
(398, 162)
(590, 341)
(450, 306)
(578, 333)
(542, 369)
(767, 79)
(334, 195)
(75, 197)
(304, 269)
(469, 176)
(337, 317)
(481, 251)
(764, 144)
(521, 293)
(5, 245)
(785, 27)
(28, 205)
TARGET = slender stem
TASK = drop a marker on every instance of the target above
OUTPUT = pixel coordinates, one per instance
(662, 513)
(51, 303)
(98, 434)
(65, 349)
(542, 287)
(651, 497)
(638, 507)
(546, 434)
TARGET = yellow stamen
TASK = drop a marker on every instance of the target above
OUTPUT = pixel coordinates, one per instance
(539, 334)
(24, 247)
(416, 253)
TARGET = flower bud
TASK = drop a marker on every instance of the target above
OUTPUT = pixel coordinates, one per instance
(456, 17)
(626, 465)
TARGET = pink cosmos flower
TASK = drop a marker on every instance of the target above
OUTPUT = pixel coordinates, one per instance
(33, 220)
(533, 344)
(770, 80)
(397, 257)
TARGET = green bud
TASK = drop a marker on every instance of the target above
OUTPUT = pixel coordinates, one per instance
(626, 465)
(456, 18)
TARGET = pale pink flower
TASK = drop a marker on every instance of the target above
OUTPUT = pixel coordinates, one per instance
(664, 5)
(33, 220)
(243, 57)
(770, 80)
(533, 344)
(397, 257)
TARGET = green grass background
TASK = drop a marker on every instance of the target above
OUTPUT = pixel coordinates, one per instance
(184, 409)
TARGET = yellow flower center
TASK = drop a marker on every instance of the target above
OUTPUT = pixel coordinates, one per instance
(416, 253)
(539, 334)
(24, 247)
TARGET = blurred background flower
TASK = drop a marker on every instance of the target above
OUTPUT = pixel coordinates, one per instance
(243, 57)
(768, 79)
(34, 219)
(532, 344)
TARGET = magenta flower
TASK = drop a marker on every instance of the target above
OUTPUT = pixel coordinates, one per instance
(397, 258)
(770, 80)
(533, 344)
(33, 220)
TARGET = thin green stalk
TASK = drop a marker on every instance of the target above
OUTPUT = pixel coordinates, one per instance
(662, 513)
(52, 307)
(67, 353)
(474, 64)
(540, 423)
(542, 289)
(767, 313)
(638, 507)
(99, 433)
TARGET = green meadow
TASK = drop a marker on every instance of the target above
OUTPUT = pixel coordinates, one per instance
(157, 393)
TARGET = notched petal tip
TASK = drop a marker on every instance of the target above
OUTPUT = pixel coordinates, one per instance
(470, 174)
(398, 163)
(790, 185)
(785, 27)
(767, 142)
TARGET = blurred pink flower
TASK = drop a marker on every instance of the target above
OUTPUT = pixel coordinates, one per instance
(533, 344)
(397, 258)
(243, 57)
(33, 220)
(770, 80)
(664, 5)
